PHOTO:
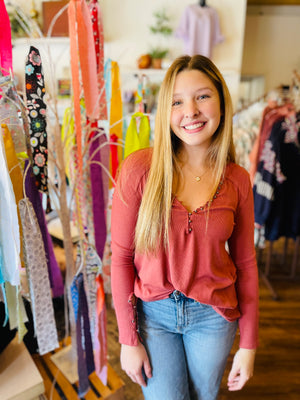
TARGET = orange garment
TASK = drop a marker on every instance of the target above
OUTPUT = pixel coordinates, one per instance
(115, 116)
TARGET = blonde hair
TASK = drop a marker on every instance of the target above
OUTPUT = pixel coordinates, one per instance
(152, 228)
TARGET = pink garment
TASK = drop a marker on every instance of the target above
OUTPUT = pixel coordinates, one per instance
(196, 263)
(5, 41)
(200, 30)
(269, 117)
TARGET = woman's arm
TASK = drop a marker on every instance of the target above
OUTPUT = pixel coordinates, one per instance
(243, 253)
(125, 207)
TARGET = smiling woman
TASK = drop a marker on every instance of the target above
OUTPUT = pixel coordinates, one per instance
(195, 115)
(179, 293)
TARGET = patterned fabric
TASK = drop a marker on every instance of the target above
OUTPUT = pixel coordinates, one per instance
(39, 285)
(36, 109)
(277, 184)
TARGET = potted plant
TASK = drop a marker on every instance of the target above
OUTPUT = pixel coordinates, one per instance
(162, 30)
(157, 54)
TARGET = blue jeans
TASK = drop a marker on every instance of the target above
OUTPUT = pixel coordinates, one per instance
(188, 344)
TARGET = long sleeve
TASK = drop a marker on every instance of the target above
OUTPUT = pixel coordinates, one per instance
(242, 251)
(125, 207)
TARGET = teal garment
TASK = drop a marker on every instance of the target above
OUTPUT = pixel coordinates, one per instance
(107, 79)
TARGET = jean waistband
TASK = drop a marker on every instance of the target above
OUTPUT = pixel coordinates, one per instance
(177, 295)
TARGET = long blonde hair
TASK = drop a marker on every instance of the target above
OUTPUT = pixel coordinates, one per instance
(152, 228)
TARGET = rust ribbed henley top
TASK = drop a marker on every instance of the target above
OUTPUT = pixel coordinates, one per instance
(216, 266)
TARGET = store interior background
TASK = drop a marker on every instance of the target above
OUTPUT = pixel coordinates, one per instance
(259, 53)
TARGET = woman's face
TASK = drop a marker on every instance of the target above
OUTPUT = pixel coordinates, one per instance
(195, 114)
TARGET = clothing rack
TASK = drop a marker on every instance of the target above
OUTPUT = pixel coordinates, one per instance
(280, 246)
(271, 252)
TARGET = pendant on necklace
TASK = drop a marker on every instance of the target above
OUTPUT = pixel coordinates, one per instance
(198, 178)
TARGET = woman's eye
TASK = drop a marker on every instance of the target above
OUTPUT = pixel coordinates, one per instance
(176, 103)
(203, 96)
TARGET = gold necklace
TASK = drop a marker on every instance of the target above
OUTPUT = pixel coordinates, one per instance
(197, 177)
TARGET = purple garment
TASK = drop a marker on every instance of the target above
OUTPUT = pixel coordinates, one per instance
(99, 191)
(200, 30)
(34, 196)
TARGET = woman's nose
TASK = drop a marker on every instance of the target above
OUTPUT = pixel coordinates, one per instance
(191, 110)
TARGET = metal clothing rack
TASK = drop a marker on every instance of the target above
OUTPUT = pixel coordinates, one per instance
(266, 274)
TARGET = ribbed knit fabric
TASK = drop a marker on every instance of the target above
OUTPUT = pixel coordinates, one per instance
(197, 262)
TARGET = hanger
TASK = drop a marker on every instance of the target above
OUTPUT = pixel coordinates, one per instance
(202, 3)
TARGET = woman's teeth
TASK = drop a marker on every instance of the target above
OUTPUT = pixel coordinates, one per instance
(194, 126)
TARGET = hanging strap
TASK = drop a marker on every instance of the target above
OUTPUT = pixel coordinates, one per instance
(37, 272)
(85, 362)
(116, 113)
(36, 109)
(97, 24)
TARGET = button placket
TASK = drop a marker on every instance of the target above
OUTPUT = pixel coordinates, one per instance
(190, 227)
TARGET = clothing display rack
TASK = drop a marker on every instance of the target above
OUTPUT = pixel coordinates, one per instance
(275, 156)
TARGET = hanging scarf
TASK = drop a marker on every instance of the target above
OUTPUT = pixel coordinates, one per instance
(97, 24)
(38, 278)
(35, 198)
(36, 109)
(97, 310)
(98, 190)
(82, 58)
(135, 139)
(14, 169)
(9, 225)
(85, 357)
(115, 116)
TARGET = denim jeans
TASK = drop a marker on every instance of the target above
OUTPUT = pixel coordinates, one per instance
(188, 344)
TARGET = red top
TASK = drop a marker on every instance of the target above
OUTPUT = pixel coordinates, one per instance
(217, 267)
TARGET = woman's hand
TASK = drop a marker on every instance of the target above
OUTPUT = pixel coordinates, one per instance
(242, 369)
(134, 360)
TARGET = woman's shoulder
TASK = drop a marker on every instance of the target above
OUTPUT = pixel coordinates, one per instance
(238, 175)
(136, 165)
(139, 161)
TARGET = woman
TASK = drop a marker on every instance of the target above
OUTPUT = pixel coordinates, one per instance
(184, 272)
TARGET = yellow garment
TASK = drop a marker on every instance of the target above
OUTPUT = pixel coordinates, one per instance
(15, 173)
(116, 112)
(16, 310)
(68, 137)
(137, 140)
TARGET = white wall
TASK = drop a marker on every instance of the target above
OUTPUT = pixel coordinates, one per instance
(127, 34)
(271, 45)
